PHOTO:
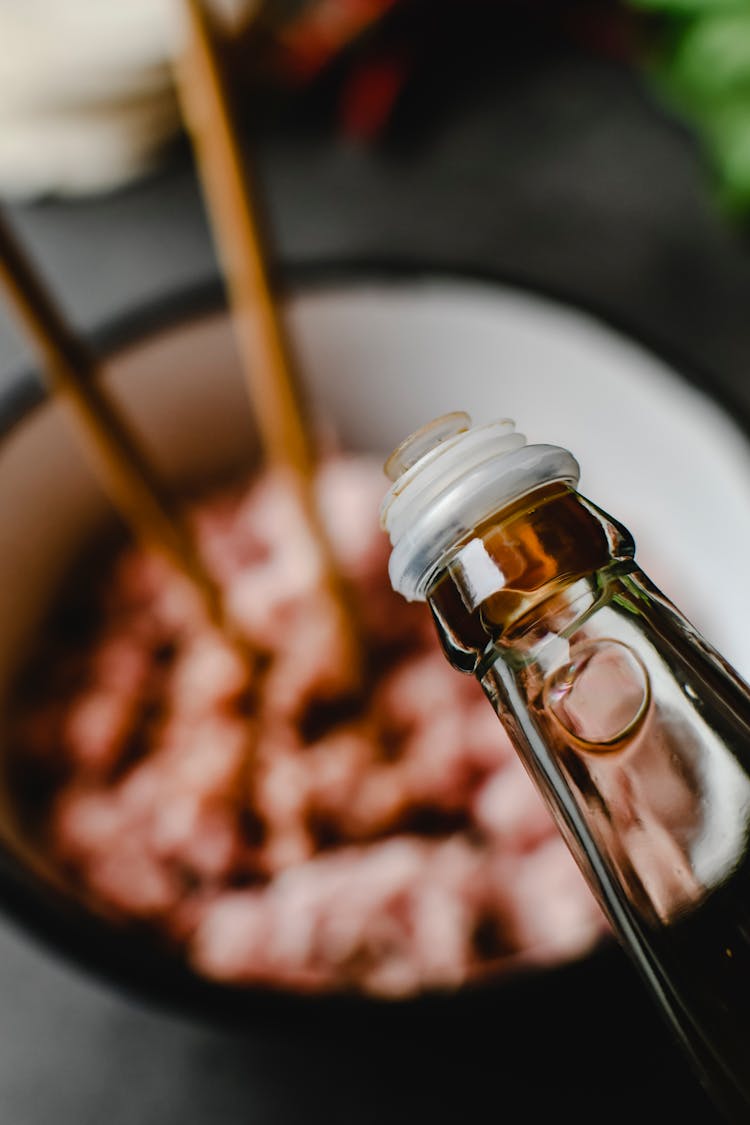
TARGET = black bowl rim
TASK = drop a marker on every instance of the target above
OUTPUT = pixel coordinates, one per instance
(135, 968)
(24, 390)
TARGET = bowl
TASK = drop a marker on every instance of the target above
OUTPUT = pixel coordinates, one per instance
(380, 354)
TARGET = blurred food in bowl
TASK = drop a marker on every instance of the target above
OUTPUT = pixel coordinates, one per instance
(414, 880)
(285, 823)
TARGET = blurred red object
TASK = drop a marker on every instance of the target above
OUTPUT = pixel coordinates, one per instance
(324, 28)
(373, 49)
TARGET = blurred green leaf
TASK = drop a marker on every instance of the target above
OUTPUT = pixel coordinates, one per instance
(712, 56)
(700, 61)
(690, 7)
(728, 136)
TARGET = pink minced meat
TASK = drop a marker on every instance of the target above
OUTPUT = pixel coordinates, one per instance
(289, 821)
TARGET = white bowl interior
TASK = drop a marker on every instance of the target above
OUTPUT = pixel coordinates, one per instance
(379, 360)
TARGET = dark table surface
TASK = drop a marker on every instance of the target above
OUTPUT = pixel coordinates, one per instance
(559, 170)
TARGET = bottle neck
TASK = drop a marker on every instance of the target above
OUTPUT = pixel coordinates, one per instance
(518, 566)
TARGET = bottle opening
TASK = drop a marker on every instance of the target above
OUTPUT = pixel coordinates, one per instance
(424, 440)
(447, 477)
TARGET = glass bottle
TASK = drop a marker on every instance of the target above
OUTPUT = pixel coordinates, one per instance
(635, 730)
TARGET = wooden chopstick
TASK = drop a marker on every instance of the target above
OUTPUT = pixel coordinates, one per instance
(72, 372)
(265, 353)
(233, 211)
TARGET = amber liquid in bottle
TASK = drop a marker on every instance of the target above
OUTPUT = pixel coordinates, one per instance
(638, 734)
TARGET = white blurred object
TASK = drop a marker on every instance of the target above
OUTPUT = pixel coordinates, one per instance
(86, 93)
